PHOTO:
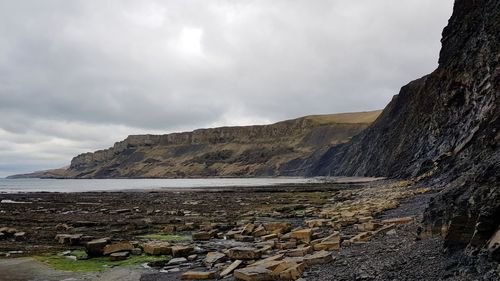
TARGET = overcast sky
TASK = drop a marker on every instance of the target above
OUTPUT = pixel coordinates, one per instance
(76, 76)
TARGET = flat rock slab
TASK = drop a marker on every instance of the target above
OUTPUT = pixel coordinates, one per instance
(118, 247)
(157, 248)
(244, 253)
(198, 275)
(231, 268)
(253, 274)
(119, 256)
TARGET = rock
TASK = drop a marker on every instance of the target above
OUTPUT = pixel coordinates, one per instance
(259, 231)
(288, 270)
(392, 232)
(277, 227)
(72, 258)
(330, 243)
(267, 260)
(231, 268)
(157, 248)
(118, 256)
(244, 253)
(213, 257)
(248, 229)
(253, 273)
(198, 275)
(494, 241)
(304, 235)
(177, 261)
(62, 227)
(361, 237)
(299, 252)
(334, 237)
(192, 257)
(286, 245)
(269, 236)
(243, 238)
(118, 247)
(384, 229)
(69, 239)
(20, 236)
(366, 226)
(96, 247)
(136, 251)
(316, 222)
(169, 229)
(9, 231)
(181, 251)
(200, 236)
(402, 220)
(320, 257)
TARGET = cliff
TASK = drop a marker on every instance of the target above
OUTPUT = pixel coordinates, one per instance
(442, 128)
(220, 152)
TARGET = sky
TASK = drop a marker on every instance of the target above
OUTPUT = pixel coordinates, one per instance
(76, 76)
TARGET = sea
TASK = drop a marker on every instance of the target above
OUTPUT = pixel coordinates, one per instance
(84, 185)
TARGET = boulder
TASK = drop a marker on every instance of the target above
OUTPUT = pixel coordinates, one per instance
(327, 245)
(20, 236)
(254, 273)
(277, 227)
(244, 253)
(304, 235)
(118, 256)
(244, 238)
(198, 275)
(320, 257)
(201, 236)
(259, 231)
(118, 247)
(248, 229)
(289, 270)
(213, 257)
(316, 222)
(181, 251)
(232, 233)
(9, 231)
(136, 251)
(299, 252)
(157, 248)
(177, 261)
(69, 239)
(267, 260)
(96, 247)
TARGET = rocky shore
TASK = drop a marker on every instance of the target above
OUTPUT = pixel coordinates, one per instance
(357, 231)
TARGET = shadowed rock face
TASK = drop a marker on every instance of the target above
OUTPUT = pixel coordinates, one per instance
(227, 151)
(444, 127)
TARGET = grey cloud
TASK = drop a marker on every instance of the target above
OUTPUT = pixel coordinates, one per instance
(74, 71)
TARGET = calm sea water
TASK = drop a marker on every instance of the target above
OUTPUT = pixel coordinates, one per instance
(81, 185)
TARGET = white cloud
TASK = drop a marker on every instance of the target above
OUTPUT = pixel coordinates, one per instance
(80, 75)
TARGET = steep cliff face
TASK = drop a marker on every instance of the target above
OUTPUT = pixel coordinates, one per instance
(226, 151)
(443, 127)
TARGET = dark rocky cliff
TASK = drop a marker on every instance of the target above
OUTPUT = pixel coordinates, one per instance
(443, 128)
